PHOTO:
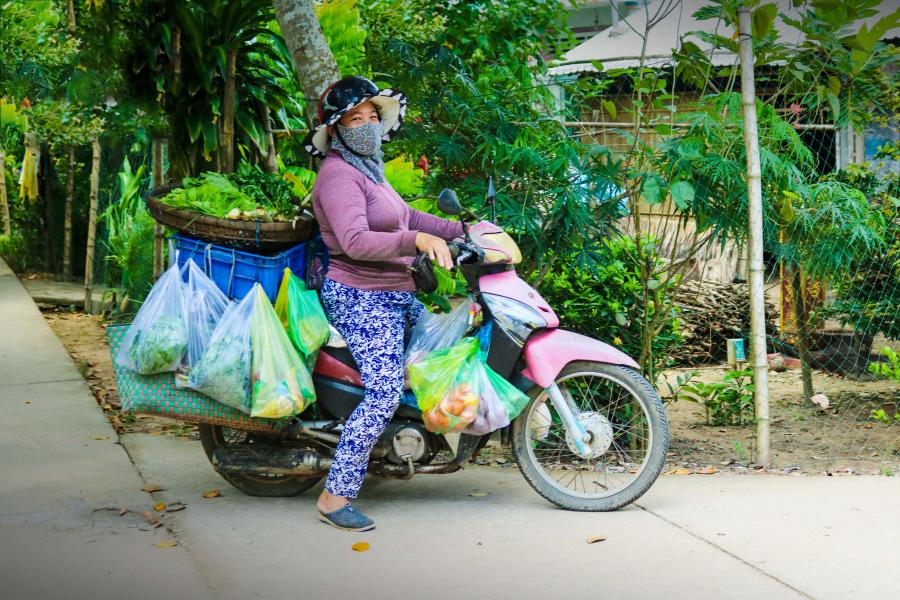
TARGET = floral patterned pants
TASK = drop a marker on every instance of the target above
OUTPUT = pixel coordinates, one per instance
(373, 323)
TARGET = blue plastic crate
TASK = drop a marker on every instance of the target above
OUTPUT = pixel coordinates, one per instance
(235, 271)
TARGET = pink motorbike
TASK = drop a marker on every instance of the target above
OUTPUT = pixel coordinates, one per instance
(593, 436)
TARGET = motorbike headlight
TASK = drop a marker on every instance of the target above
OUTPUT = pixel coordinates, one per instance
(515, 317)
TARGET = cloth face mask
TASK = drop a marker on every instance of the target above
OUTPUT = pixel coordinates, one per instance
(365, 140)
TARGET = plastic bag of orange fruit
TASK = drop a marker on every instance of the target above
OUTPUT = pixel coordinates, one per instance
(447, 385)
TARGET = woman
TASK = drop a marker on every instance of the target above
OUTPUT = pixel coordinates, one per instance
(372, 237)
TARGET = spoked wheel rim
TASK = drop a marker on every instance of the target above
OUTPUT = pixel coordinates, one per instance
(605, 405)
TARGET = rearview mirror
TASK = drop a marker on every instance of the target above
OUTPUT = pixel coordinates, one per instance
(448, 202)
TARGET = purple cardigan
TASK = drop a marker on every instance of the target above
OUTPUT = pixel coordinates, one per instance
(369, 230)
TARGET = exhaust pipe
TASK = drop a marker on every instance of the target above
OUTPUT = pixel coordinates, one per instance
(270, 461)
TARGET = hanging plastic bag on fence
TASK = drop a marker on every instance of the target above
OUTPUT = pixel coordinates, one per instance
(500, 402)
(204, 305)
(223, 372)
(435, 332)
(302, 314)
(447, 386)
(282, 385)
(157, 338)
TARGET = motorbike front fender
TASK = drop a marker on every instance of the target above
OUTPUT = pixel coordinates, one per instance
(547, 352)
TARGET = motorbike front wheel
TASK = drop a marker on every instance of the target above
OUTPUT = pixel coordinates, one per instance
(216, 436)
(629, 439)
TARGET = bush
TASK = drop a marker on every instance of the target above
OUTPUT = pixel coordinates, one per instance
(604, 300)
(14, 250)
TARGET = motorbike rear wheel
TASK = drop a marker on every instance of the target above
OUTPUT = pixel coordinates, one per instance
(630, 437)
(215, 436)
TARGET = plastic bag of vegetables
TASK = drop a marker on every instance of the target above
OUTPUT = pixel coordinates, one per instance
(204, 305)
(302, 314)
(250, 363)
(282, 385)
(457, 391)
(500, 401)
(223, 371)
(157, 338)
(447, 386)
(435, 332)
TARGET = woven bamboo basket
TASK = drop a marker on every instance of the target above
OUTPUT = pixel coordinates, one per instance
(253, 236)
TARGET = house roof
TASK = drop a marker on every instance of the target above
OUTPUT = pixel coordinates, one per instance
(620, 45)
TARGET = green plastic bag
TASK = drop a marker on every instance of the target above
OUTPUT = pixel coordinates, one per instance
(457, 391)
(447, 386)
(282, 385)
(301, 314)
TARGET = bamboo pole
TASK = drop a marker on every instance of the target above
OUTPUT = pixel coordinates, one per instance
(757, 272)
(67, 222)
(158, 229)
(4, 200)
(92, 228)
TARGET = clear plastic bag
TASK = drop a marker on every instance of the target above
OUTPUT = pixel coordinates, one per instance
(157, 338)
(302, 314)
(282, 385)
(251, 365)
(500, 402)
(223, 372)
(204, 305)
(436, 332)
(447, 384)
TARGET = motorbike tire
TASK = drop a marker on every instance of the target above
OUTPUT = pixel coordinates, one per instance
(643, 393)
(212, 437)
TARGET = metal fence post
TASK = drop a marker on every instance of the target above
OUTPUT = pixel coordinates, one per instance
(757, 273)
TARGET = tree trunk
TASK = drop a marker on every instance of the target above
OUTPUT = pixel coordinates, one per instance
(67, 222)
(71, 16)
(158, 179)
(4, 201)
(176, 60)
(803, 334)
(228, 112)
(92, 228)
(313, 59)
(270, 162)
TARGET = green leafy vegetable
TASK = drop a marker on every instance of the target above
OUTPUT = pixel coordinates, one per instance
(160, 346)
(248, 195)
(223, 373)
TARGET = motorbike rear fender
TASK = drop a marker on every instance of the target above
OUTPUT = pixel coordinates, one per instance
(547, 352)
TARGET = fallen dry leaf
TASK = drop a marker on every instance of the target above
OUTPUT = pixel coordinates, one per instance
(152, 488)
(479, 494)
(680, 472)
(166, 544)
(360, 546)
(212, 494)
(123, 512)
(100, 437)
(150, 517)
(159, 507)
(176, 506)
(596, 538)
(710, 470)
(155, 433)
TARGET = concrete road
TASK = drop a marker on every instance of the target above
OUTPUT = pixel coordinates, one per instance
(691, 537)
(64, 480)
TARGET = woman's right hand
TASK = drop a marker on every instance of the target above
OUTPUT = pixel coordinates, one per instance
(436, 248)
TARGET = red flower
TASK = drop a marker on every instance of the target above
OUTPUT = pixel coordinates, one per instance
(423, 164)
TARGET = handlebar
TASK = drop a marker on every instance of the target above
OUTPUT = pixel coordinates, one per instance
(464, 253)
